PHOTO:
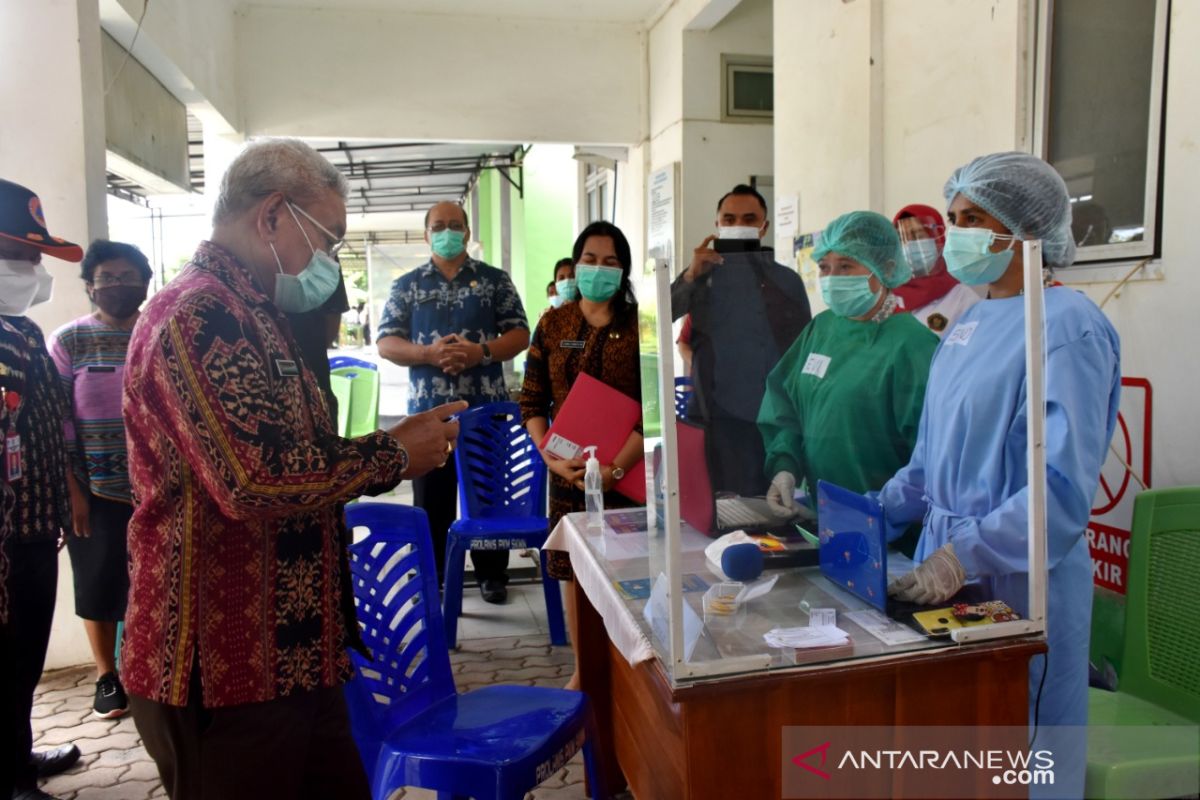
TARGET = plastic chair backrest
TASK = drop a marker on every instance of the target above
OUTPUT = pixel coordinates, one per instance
(337, 362)
(683, 395)
(1162, 637)
(364, 399)
(500, 472)
(341, 386)
(396, 599)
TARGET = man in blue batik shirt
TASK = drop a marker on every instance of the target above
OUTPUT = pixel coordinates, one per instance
(453, 322)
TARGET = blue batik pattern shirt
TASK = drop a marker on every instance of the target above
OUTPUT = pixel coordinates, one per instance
(479, 305)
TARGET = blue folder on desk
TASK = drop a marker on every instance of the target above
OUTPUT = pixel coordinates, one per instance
(853, 543)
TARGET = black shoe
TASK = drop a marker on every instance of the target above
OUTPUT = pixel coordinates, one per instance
(31, 794)
(52, 762)
(111, 701)
(493, 590)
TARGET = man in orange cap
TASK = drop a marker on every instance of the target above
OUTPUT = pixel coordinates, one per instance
(33, 486)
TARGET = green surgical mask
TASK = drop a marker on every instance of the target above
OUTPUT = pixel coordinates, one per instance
(597, 283)
(848, 295)
(447, 243)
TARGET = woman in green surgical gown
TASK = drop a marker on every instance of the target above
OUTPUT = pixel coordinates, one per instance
(844, 402)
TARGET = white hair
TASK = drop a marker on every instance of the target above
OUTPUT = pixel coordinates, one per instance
(276, 165)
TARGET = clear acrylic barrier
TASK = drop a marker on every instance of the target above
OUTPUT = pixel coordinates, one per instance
(656, 558)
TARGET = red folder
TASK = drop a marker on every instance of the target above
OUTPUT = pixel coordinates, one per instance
(594, 413)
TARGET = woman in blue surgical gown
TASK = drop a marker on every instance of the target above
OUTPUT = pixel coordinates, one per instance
(967, 477)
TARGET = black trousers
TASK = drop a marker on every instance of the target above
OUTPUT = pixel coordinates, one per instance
(437, 493)
(32, 581)
(297, 747)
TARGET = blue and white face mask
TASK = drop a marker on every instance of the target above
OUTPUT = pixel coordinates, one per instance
(969, 257)
(296, 294)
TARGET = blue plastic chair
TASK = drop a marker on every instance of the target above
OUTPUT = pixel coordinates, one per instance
(502, 493)
(336, 362)
(411, 726)
(683, 395)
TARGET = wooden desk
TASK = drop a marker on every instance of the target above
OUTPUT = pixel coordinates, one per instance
(722, 739)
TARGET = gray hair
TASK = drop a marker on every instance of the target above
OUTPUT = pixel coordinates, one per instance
(276, 165)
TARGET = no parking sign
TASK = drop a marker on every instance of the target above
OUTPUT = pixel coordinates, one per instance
(1112, 510)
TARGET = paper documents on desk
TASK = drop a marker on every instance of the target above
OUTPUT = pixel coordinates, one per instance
(807, 637)
(656, 615)
(883, 628)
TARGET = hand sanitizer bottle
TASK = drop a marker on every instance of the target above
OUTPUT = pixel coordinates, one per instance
(593, 491)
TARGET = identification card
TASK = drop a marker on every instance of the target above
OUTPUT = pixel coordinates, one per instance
(286, 368)
(562, 447)
(961, 333)
(12, 458)
(572, 344)
(816, 365)
(101, 369)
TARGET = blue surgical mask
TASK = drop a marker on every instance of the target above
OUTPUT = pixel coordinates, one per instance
(448, 243)
(849, 295)
(922, 256)
(969, 256)
(598, 283)
(567, 289)
(556, 300)
(296, 294)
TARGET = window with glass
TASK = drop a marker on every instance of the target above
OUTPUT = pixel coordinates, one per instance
(597, 198)
(747, 88)
(1101, 73)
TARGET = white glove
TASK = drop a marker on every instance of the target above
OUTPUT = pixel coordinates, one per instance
(935, 580)
(781, 497)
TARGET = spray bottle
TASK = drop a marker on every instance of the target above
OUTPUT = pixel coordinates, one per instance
(593, 490)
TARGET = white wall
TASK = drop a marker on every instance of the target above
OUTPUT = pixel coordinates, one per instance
(685, 111)
(385, 74)
(951, 91)
(54, 144)
(949, 84)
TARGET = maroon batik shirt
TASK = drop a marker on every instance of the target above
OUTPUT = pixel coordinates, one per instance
(237, 556)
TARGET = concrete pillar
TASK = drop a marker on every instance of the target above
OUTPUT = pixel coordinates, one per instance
(52, 138)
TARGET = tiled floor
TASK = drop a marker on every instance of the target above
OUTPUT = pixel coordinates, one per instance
(498, 644)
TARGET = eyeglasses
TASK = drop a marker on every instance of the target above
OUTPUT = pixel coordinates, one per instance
(438, 227)
(126, 279)
(335, 244)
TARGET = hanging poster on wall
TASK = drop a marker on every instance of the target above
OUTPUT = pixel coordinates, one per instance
(661, 213)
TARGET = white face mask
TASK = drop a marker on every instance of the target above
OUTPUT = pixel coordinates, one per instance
(45, 285)
(20, 285)
(736, 232)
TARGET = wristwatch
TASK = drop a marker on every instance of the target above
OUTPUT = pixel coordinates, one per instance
(617, 472)
(487, 355)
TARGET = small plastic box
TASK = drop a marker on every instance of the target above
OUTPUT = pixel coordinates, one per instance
(722, 606)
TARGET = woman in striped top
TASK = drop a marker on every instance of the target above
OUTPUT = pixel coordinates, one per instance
(90, 356)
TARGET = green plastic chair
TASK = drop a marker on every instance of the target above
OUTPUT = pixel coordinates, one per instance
(1160, 670)
(342, 391)
(363, 407)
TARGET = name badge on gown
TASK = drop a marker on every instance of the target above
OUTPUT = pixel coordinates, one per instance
(816, 364)
(12, 458)
(962, 333)
(286, 368)
(572, 344)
